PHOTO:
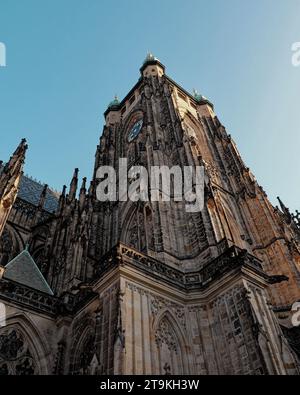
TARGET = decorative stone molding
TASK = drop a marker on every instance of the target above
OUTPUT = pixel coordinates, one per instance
(232, 258)
(15, 354)
(164, 334)
(159, 303)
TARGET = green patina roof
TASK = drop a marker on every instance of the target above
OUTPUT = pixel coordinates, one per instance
(150, 58)
(114, 103)
(197, 96)
(23, 270)
(200, 98)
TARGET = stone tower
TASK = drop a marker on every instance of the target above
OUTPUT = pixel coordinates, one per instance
(10, 176)
(147, 287)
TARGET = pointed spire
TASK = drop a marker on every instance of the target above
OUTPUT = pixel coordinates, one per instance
(82, 192)
(83, 185)
(43, 197)
(150, 58)
(17, 159)
(64, 190)
(10, 178)
(21, 148)
(91, 188)
(285, 210)
(62, 199)
(73, 185)
(12, 170)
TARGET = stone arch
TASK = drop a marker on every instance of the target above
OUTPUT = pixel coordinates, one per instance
(190, 121)
(134, 227)
(23, 349)
(131, 229)
(195, 133)
(40, 257)
(38, 238)
(170, 345)
(83, 347)
(232, 225)
(11, 245)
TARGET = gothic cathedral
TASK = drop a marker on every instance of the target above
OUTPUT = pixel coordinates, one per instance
(123, 287)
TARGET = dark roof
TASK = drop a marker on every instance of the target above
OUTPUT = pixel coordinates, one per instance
(30, 191)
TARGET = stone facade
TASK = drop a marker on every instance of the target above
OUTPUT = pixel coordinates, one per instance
(146, 287)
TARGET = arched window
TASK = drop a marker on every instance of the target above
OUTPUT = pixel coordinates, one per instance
(6, 247)
(16, 355)
(134, 234)
(170, 343)
(83, 351)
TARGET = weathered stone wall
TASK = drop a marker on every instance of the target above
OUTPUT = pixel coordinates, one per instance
(220, 334)
(27, 342)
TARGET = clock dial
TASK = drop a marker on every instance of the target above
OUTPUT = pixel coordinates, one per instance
(135, 130)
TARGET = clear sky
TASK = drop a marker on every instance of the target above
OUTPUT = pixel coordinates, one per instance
(66, 59)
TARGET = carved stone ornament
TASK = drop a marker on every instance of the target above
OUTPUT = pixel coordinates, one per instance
(15, 355)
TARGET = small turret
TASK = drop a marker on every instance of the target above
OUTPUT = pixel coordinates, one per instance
(285, 210)
(73, 185)
(10, 178)
(62, 199)
(43, 197)
(112, 114)
(152, 67)
(13, 168)
(201, 100)
(82, 194)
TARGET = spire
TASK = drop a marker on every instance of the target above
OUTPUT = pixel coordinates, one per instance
(82, 192)
(62, 199)
(151, 60)
(200, 99)
(22, 147)
(83, 185)
(114, 103)
(285, 210)
(64, 190)
(73, 185)
(197, 95)
(17, 159)
(91, 190)
(10, 178)
(43, 197)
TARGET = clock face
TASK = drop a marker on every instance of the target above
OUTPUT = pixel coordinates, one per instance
(135, 130)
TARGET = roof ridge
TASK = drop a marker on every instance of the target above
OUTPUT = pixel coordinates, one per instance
(41, 183)
(16, 274)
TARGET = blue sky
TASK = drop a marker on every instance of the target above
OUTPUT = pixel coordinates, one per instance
(66, 60)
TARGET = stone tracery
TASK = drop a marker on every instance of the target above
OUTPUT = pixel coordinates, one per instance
(15, 354)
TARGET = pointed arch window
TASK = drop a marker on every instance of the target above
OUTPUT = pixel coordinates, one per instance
(16, 356)
(170, 345)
